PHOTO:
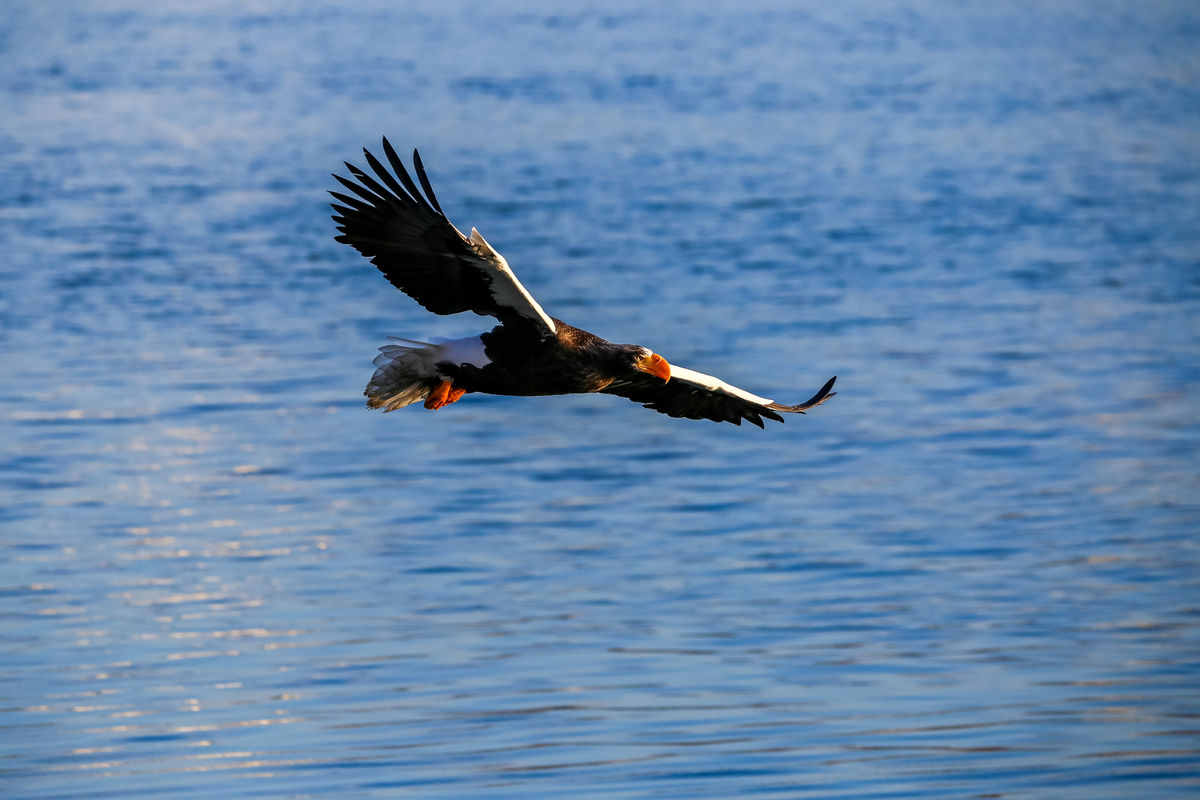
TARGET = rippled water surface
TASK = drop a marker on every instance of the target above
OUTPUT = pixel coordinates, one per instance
(974, 573)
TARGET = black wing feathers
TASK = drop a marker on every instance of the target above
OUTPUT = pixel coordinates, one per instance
(401, 172)
(681, 398)
(424, 179)
(820, 397)
(405, 234)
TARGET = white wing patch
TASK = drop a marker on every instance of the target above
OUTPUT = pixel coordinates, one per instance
(506, 289)
(713, 384)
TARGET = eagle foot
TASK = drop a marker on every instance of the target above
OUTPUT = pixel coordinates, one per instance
(443, 395)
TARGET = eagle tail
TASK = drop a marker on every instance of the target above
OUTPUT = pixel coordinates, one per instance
(404, 374)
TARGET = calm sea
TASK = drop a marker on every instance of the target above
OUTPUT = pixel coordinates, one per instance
(974, 573)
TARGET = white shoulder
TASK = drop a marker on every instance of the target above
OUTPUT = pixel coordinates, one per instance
(714, 384)
(506, 289)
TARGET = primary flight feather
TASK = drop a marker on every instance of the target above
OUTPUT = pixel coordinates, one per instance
(405, 233)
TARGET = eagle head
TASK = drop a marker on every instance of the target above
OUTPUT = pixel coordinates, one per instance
(642, 359)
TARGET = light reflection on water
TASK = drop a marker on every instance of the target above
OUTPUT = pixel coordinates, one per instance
(971, 574)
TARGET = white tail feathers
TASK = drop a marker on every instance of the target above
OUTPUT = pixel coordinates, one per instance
(403, 374)
(406, 370)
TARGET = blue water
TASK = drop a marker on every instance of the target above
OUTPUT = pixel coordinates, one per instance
(974, 573)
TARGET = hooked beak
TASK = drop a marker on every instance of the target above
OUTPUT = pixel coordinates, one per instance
(655, 365)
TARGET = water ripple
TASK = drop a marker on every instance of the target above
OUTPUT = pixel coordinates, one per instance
(973, 574)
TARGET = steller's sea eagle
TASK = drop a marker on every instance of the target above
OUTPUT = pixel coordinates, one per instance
(406, 235)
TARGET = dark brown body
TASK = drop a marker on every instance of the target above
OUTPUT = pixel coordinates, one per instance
(572, 361)
(405, 233)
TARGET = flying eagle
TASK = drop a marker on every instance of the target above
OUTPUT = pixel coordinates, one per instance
(406, 235)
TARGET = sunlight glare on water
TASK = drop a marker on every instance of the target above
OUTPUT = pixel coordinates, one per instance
(974, 573)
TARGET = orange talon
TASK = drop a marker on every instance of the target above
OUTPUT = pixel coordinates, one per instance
(443, 395)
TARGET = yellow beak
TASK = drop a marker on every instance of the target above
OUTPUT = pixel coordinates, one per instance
(655, 365)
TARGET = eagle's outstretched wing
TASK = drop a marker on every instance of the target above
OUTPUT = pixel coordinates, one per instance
(407, 236)
(698, 396)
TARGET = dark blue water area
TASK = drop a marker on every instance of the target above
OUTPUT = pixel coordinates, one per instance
(974, 573)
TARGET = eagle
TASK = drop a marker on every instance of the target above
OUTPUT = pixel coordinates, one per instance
(404, 232)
